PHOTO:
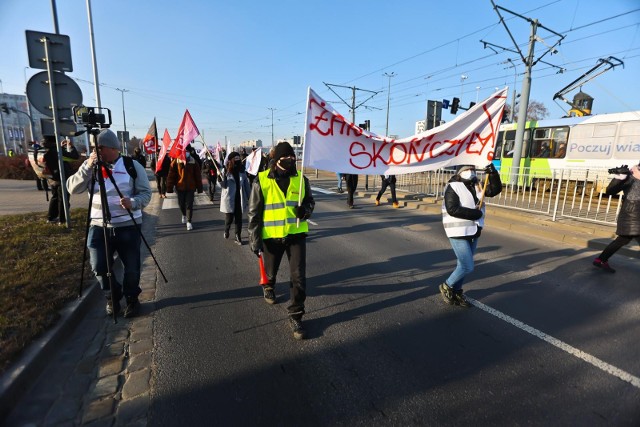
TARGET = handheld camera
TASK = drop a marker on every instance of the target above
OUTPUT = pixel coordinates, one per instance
(92, 117)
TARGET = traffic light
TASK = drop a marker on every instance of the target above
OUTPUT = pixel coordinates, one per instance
(471, 104)
(454, 105)
(4, 107)
(366, 125)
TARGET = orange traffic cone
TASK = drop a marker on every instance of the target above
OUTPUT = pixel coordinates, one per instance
(263, 274)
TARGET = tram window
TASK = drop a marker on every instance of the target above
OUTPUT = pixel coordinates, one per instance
(497, 154)
(509, 143)
(541, 144)
(559, 142)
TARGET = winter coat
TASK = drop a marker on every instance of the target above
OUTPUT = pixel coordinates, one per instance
(228, 196)
(629, 216)
(184, 176)
(164, 167)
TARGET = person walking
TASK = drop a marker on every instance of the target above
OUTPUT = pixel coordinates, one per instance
(463, 214)
(161, 175)
(339, 177)
(122, 234)
(278, 225)
(186, 178)
(388, 181)
(352, 185)
(56, 202)
(234, 199)
(628, 226)
(139, 157)
(209, 169)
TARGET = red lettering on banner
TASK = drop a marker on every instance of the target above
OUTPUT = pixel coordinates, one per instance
(326, 125)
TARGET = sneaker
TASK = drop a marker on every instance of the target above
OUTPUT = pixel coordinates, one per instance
(460, 299)
(603, 265)
(184, 219)
(396, 205)
(447, 293)
(189, 226)
(53, 221)
(298, 330)
(377, 202)
(269, 296)
(226, 234)
(238, 240)
(132, 308)
(113, 307)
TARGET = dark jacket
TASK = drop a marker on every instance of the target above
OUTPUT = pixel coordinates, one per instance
(51, 160)
(256, 207)
(164, 168)
(629, 216)
(184, 176)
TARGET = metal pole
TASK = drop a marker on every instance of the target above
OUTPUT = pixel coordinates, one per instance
(96, 82)
(272, 140)
(4, 138)
(513, 92)
(54, 111)
(388, 99)
(524, 103)
(124, 119)
(33, 136)
(54, 12)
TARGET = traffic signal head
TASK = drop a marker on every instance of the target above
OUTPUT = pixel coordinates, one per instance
(366, 125)
(454, 105)
(4, 107)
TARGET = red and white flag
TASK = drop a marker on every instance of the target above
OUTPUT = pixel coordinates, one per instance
(186, 133)
(332, 143)
(150, 141)
(252, 163)
(166, 142)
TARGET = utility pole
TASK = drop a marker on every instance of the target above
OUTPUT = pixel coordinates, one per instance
(353, 107)
(529, 63)
(124, 119)
(272, 110)
(388, 99)
(513, 91)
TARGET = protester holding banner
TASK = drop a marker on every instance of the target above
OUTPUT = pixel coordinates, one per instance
(352, 185)
(235, 194)
(388, 181)
(186, 178)
(463, 214)
(278, 211)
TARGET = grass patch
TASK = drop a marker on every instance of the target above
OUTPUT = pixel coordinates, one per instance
(39, 273)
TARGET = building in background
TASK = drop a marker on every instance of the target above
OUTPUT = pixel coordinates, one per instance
(14, 123)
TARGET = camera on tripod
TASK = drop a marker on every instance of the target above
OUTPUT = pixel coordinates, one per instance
(92, 117)
(621, 170)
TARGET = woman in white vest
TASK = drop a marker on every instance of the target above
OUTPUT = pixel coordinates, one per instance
(463, 219)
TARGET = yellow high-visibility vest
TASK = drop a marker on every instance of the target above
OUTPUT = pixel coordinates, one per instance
(279, 209)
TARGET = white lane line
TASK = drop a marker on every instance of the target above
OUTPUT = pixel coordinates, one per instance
(322, 190)
(171, 202)
(610, 369)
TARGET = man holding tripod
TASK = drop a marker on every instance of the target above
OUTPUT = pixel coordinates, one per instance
(125, 201)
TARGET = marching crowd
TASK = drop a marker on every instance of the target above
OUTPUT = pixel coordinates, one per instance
(277, 202)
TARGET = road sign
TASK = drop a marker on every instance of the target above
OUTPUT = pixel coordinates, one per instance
(123, 136)
(59, 51)
(65, 127)
(67, 93)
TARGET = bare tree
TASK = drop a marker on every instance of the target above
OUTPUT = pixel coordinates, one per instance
(535, 111)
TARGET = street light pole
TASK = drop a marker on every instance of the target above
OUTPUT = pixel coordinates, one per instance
(463, 77)
(124, 119)
(272, 110)
(388, 99)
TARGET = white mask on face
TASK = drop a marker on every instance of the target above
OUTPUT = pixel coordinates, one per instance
(467, 174)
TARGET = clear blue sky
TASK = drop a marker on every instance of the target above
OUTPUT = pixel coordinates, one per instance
(228, 62)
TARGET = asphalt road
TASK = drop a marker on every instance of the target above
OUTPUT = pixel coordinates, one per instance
(553, 341)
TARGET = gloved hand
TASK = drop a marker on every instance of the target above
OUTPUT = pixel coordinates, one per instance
(490, 168)
(258, 252)
(199, 191)
(301, 212)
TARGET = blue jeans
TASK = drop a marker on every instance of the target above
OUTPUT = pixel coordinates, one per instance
(126, 242)
(464, 250)
(339, 175)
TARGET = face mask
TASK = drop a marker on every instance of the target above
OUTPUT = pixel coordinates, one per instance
(287, 165)
(468, 175)
(187, 156)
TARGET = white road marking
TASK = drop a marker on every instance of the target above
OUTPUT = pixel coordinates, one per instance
(322, 190)
(610, 369)
(171, 202)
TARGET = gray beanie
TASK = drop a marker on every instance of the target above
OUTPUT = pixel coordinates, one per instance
(465, 168)
(106, 138)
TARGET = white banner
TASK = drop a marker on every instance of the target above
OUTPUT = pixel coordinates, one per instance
(334, 144)
(252, 162)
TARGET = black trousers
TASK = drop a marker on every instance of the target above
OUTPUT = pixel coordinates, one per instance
(352, 185)
(614, 246)
(161, 182)
(212, 186)
(295, 246)
(391, 184)
(236, 217)
(56, 203)
(185, 202)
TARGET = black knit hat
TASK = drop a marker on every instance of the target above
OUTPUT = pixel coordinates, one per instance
(283, 149)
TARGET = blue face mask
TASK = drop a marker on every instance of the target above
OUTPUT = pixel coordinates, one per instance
(187, 156)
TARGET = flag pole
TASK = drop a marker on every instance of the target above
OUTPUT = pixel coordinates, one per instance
(304, 147)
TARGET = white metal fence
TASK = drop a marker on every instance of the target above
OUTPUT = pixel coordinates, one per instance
(569, 193)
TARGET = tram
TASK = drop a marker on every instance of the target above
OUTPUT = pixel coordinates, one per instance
(599, 142)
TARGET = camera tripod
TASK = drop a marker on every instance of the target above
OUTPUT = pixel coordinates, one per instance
(97, 176)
